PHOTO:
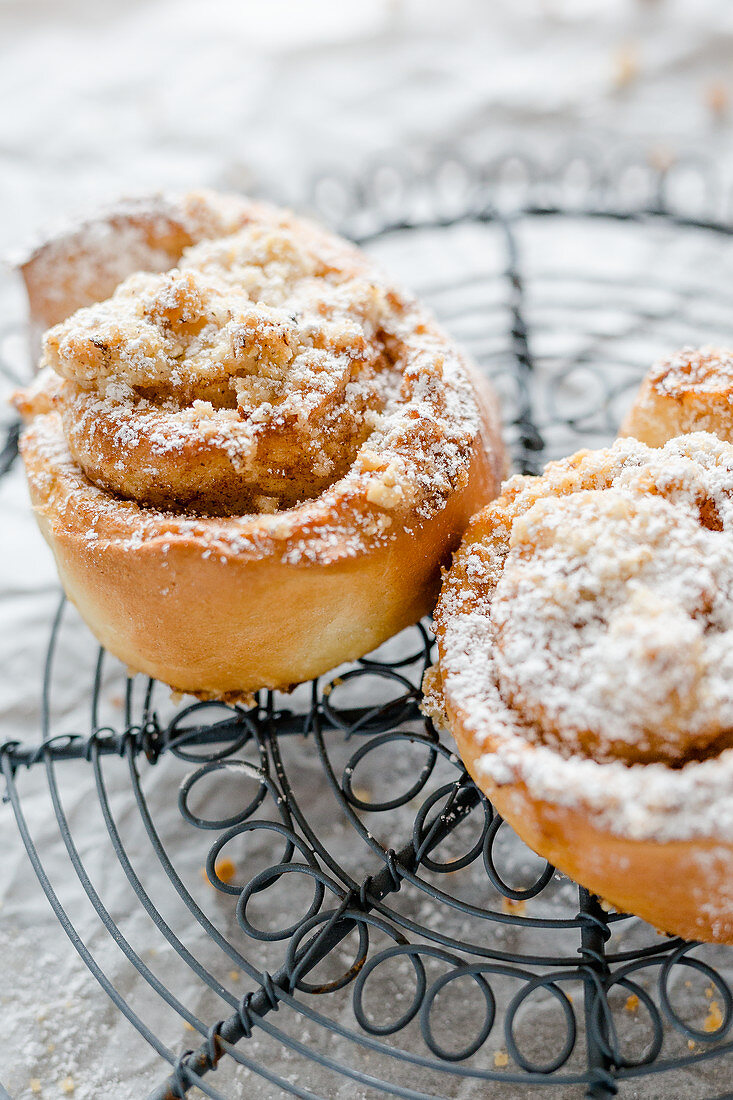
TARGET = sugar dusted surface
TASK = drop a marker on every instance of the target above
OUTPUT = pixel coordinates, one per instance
(706, 370)
(613, 626)
(650, 636)
(273, 389)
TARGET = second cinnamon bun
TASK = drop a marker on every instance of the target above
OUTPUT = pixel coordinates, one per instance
(585, 637)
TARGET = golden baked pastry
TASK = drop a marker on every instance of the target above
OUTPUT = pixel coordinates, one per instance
(690, 391)
(585, 668)
(252, 466)
(85, 263)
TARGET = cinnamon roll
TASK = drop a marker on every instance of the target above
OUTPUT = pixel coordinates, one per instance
(585, 639)
(251, 467)
(689, 391)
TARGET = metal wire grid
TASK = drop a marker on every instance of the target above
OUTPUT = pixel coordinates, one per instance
(410, 898)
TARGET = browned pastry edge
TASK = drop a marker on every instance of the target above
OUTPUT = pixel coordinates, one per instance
(665, 883)
(224, 624)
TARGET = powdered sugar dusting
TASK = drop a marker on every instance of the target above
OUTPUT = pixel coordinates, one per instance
(588, 640)
(273, 379)
(705, 370)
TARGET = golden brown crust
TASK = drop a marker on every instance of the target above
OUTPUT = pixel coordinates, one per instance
(216, 600)
(681, 887)
(196, 607)
(690, 391)
(631, 801)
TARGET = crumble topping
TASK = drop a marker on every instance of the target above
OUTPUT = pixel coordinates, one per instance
(613, 627)
(585, 635)
(706, 370)
(256, 369)
(273, 379)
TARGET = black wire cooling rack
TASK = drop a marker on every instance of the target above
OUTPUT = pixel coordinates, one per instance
(370, 926)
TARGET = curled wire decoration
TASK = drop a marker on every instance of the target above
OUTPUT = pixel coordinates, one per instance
(433, 902)
(516, 894)
(606, 1033)
(486, 1024)
(265, 786)
(678, 960)
(180, 733)
(382, 716)
(373, 745)
(470, 800)
(346, 916)
(422, 833)
(551, 986)
(271, 875)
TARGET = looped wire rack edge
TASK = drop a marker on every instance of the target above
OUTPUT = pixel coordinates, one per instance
(367, 922)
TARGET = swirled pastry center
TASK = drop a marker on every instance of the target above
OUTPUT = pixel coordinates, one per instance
(244, 380)
(613, 622)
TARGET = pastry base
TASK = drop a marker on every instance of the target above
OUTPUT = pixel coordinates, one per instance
(221, 625)
(681, 887)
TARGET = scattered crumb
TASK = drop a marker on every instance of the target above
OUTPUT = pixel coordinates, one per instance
(625, 65)
(714, 1018)
(187, 1026)
(67, 1085)
(515, 908)
(362, 793)
(34, 1085)
(717, 98)
(709, 992)
(691, 1044)
(632, 1003)
(661, 158)
(329, 687)
(501, 1059)
(234, 975)
(384, 496)
(50, 1047)
(226, 869)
